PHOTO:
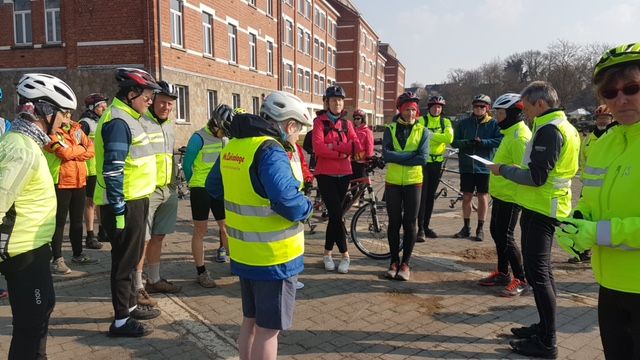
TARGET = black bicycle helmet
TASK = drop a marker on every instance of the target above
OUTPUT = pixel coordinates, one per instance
(221, 118)
(436, 100)
(334, 91)
(167, 89)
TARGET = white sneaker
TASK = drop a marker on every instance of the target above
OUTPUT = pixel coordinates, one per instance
(299, 285)
(343, 267)
(329, 265)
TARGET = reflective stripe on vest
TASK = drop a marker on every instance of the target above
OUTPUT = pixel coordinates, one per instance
(207, 156)
(553, 198)
(400, 174)
(140, 163)
(258, 236)
(162, 139)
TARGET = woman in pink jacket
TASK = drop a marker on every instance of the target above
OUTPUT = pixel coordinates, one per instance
(334, 142)
(365, 137)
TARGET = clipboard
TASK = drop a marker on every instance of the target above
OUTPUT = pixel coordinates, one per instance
(480, 159)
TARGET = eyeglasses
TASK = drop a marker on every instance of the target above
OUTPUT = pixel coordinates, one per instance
(146, 98)
(628, 90)
(357, 118)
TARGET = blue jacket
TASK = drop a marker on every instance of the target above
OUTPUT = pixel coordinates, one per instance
(467, 130)
(271, 179)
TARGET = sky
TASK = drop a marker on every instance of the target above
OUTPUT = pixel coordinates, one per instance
(432, 37)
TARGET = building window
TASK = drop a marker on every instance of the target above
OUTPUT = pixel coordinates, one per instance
(332, 29)
(307, 43)
(289, 32)
(300, 79)
(270, 7)
(329, 56)
(300, 39)
(316, 85)
(233, 44)
(253, 51)
(316, 49)
(255, 103)
(307, 81)
(212, 102)
(335, 57)
(252, 2)
(207, 33)
(307, 9)
(52, 19)
(288, 2)
(22, 21)
(182, 104)
(322, 51)
(301, 7)
(323, 20)
(176, 22)
(320, 84)
(288, 72)
(235, 101)
(370, 97)
(363, 66)
(361, 97)
(269, 57)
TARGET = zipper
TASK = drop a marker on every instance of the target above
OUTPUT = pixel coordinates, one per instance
(613, 181)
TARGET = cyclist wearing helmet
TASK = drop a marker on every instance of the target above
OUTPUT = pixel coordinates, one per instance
(334, 142)
(163, 203)
(203, 150)
(28, 210)
(365, 137)
(5, 125)
(126, 170)
(96, 104)
(505, 211)
(442, 131)
(609, 224)
(262, 193)
(405, 148)
(478, 134)
(543, 186)
(66, 155)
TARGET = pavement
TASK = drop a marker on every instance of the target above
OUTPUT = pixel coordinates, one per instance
(440, 313)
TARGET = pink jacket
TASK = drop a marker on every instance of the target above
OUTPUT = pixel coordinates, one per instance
(365, 136)
(333, 151)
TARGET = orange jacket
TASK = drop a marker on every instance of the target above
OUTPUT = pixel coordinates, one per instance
(73, 148)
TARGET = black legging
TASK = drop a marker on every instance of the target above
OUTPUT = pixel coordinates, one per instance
(504, 217)
(537, 236)
(70, 201)
(333, 190)
(619, 320)
(431, 175)
(402, 206)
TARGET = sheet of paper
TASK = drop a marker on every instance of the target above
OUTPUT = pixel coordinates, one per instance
(480, 159)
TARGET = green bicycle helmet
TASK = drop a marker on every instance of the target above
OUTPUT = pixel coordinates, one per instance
(618, 55)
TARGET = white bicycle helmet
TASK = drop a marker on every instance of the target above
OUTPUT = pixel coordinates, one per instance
(508, 100)
(282, 106)
(47, 88)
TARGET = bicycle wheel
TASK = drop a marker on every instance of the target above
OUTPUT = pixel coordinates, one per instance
(369, 230)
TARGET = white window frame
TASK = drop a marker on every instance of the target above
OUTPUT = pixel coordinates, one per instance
(300, 78)
(307, 81)
(300, 38)
(253, 51)
(252, 2)
(316, 84)
(288, 23)
(323, 50)
(255, 104)
(270, 57)
(236, 100)
(307, 43)
(182, 104)
(316, 48)
(307, 10)
(270, 7)
(207, 34)
(288, 75)
(53, 15)
(177, 26)
(212, 102)
(233, 43)
(26, 22)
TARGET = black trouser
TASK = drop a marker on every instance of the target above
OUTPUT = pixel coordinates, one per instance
(402, 206)
(431, 178)
(70, 201)
(333, 189)
(537, 237)
(504, 217)
(126, 250)
(32, 299)
(619, 320)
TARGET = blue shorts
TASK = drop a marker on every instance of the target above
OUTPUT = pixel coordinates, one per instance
(271, 303)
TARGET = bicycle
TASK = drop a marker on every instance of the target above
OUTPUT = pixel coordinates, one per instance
(368, 227)
(182, 187)
(444, 191)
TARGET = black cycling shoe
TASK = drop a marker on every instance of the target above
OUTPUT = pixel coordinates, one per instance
(144, 312)
(132, 328)
(525, 332)
(92, 243)
(420, 237)
(465, 232)
(430, 234)
(479, 235)
(533, 346)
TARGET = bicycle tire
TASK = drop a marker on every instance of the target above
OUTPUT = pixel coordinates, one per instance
(371, 238)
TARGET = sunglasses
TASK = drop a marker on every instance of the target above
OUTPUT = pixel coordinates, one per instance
(357, 118)
(479, 106)
(628, 90)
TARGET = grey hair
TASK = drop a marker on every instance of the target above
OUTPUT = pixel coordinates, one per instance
(541, 90)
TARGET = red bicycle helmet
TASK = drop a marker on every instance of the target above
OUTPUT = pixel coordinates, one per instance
(131, 77)
(407, 97)
(359, 112)
(92, 99)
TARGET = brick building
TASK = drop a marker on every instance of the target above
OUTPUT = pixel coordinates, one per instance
(215, 51)
(394, 77)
